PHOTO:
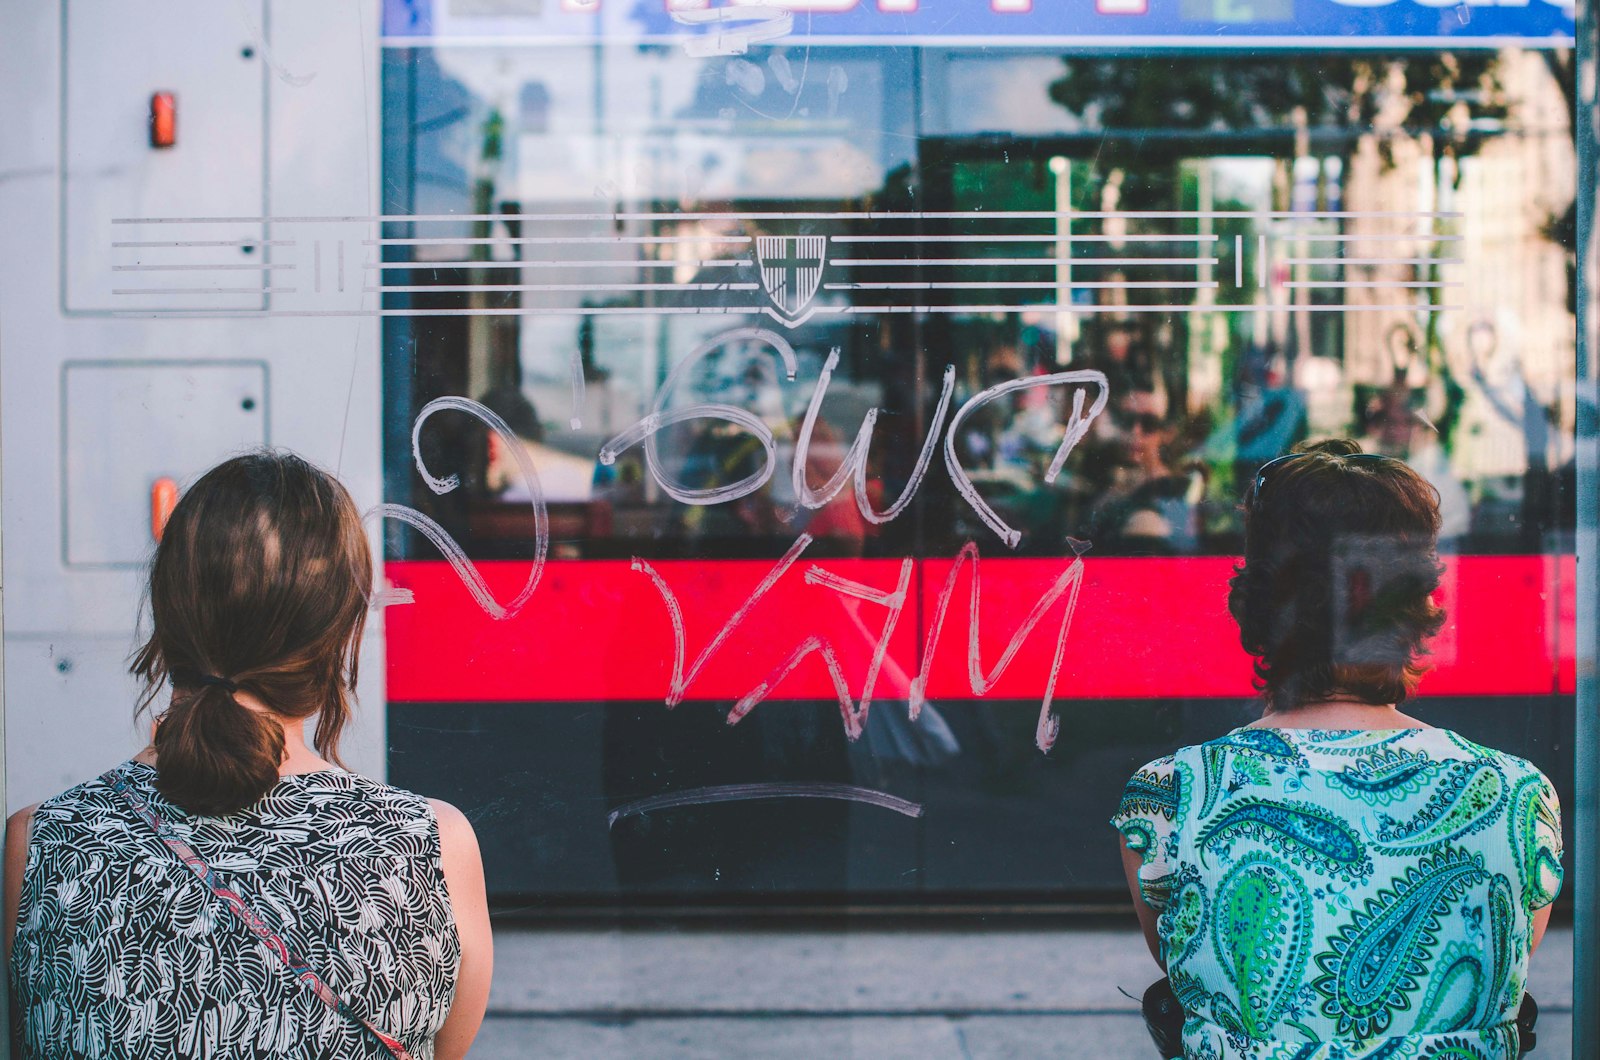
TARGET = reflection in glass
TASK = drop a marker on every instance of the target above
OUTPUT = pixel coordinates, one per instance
(1252, 254)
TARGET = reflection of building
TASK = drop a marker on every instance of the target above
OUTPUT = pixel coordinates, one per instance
(1515, 275)
(1514, 333)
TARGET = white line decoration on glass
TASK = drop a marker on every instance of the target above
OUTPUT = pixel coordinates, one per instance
(792, 267)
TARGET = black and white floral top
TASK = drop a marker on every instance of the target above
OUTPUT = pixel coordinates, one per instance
(121, 951)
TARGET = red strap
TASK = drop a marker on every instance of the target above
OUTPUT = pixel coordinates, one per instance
(119, 783)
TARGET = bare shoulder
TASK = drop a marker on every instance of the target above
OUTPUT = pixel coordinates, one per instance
(450, 819)
(22, 818)
(16, 857)
(456, 837)
(17, 826)
(16, 862)
(462, 865)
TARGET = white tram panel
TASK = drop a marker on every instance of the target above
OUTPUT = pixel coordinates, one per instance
(277, 107)
(203, 57)
(129, 425)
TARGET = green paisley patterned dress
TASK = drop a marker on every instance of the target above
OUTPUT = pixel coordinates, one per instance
(1328, 894)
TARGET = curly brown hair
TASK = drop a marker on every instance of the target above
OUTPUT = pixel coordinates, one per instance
(1334, 597)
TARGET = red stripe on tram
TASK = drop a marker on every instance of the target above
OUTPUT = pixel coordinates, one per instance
(597, 630)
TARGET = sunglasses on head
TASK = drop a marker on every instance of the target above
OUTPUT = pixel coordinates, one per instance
(1261, 472)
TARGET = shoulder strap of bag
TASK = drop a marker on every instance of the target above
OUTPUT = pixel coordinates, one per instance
(120, 783)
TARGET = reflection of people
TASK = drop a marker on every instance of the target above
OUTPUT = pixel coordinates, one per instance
(129, 899)
(1514, 398)
(709, 453)
(1394, 429)
(743, 847)
(1123, 356)
(1271, 416)
(1148, 505)
(838, 525)
(1340, 872)
(563, 477)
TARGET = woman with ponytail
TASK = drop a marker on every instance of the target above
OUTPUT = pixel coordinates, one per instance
(231, 891)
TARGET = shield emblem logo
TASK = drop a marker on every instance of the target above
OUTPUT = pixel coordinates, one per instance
(791, 270)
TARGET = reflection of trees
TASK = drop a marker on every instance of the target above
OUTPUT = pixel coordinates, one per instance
(1562, 228)
(1446, 92)
(1441, 105)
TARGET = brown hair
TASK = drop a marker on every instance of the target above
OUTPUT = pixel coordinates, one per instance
(261, 582)
(1334, 596)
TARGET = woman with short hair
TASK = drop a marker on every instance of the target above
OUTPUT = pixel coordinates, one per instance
(228, 891)
(1340, 872)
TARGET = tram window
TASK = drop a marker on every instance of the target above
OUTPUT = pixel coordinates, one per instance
(1249, 264)
(1169, 218)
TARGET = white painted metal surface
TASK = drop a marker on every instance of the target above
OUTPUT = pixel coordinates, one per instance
(76, 76)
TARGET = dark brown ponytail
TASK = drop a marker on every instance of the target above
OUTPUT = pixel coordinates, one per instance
(214, 752)
(260, 584)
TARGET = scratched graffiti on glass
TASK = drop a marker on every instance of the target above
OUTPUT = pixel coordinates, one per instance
(771, 273)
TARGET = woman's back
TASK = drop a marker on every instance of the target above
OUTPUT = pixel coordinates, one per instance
(122, 951)
(1320, 885)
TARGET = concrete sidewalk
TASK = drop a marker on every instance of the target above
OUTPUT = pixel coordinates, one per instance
(929, 994)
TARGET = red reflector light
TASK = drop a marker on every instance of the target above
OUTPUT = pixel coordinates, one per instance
(163, 119)
(163, 498)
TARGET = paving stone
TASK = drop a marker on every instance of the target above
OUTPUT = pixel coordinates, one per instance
(924, 994)
(804, 1038)
(619, 970)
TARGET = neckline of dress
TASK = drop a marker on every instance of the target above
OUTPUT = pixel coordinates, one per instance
(1341, 732)
(281, 776)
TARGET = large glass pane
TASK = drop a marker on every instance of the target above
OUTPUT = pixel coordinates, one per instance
(1319, 247)
(807, 442)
